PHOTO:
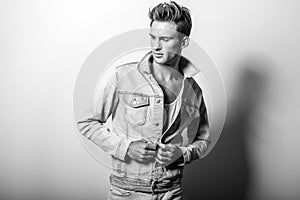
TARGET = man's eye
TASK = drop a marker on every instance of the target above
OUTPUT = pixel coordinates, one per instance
(166, 39)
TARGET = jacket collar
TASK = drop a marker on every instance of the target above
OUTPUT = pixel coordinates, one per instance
(185, 65)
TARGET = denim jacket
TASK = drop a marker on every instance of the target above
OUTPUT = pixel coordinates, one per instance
(136, 103)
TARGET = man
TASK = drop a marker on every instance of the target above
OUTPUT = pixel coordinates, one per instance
(159, 119)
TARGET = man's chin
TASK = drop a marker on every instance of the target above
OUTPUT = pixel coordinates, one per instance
(159, 60)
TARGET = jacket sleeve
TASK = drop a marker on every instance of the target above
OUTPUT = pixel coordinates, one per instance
(95, 128)
(200, 144)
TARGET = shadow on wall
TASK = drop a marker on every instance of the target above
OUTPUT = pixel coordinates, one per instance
(225, 172)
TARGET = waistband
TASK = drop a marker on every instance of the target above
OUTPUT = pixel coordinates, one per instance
(147, 186)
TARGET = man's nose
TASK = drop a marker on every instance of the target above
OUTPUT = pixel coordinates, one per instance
(157, 45)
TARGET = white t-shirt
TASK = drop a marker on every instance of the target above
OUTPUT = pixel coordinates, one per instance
(171, 111)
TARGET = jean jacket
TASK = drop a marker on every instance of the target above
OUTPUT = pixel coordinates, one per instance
(135, 101)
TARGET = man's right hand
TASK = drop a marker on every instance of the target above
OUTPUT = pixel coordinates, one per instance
(141, 150)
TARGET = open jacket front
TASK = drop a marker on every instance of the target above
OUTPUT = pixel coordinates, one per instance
(136, 103)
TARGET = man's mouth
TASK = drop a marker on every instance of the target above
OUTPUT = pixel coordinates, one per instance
(158, 55)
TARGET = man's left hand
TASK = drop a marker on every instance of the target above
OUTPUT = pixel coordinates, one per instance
(167, 153)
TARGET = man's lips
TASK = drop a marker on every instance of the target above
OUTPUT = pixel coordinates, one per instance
(158, 54)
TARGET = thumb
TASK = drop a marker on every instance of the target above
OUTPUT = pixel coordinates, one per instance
(161, 145)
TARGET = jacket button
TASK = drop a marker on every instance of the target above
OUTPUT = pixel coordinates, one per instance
(134, 102)
(157, 100)
(156, 124)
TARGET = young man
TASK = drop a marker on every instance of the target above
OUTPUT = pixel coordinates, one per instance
(159, 119)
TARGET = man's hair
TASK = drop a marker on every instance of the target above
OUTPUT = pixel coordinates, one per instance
(172, 12)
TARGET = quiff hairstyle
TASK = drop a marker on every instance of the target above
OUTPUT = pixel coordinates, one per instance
(172, 12)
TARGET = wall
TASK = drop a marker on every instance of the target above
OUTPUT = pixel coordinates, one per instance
(254, 44)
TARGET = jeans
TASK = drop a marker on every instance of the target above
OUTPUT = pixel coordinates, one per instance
(116, 193)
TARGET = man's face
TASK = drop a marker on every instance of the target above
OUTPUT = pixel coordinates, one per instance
(166, 42)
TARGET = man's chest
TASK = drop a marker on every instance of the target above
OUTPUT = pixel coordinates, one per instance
(171, 89)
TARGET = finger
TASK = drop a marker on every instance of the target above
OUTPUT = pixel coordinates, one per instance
(170, 147)
(158, 161)
(161, 145)
(151, 146)
(140, 158)
(150, 152)
(146, 152)
(164, 153)
(163, 158)
(148, 157)
(166, 147)
(143, 158)
(162, 162)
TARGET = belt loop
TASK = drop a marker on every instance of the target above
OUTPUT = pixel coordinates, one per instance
(153, 185)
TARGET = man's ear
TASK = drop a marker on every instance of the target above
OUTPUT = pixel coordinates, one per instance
(185, 42)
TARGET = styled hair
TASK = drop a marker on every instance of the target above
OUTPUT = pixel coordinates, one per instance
(172, 12)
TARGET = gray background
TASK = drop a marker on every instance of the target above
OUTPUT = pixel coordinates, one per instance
(254, 44)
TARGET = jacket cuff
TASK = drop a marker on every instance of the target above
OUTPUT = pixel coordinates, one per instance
(123, 148)
(186, 156)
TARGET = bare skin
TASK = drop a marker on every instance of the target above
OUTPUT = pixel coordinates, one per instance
(167, 154)
(170, 85)
(142, 150)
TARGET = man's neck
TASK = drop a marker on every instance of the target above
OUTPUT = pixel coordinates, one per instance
(166, 72)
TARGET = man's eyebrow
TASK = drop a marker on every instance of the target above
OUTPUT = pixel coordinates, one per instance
(168, 37)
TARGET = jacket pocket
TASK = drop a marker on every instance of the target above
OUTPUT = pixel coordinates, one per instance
(136, 109)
